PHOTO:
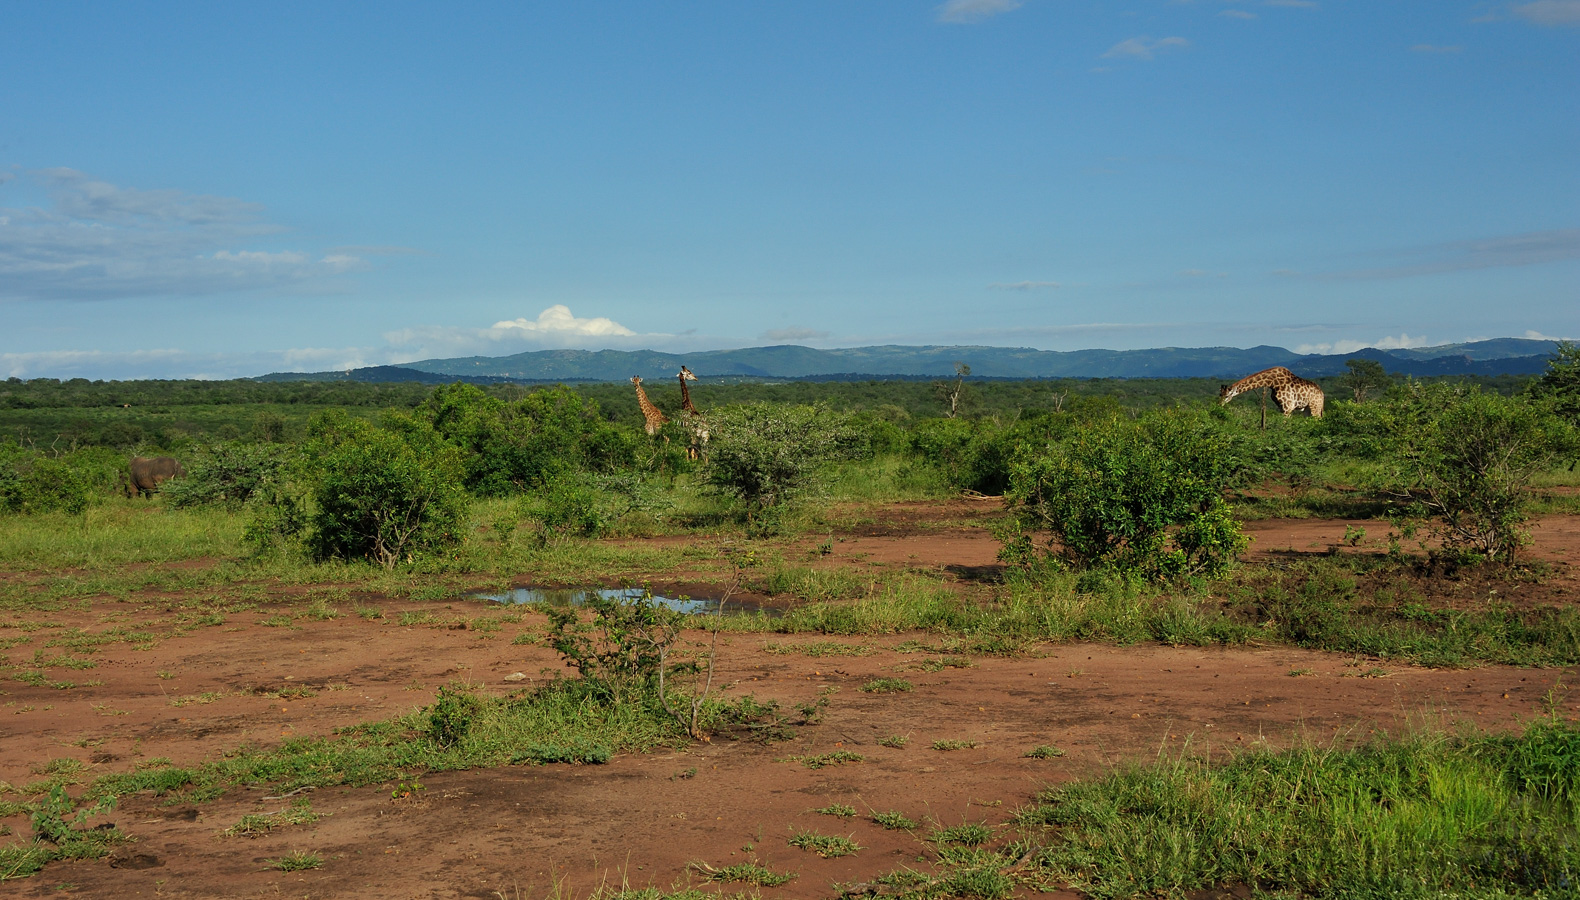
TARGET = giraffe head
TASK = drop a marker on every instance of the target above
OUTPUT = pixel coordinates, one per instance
(1225, 393)
(686, 375)
(636, 380)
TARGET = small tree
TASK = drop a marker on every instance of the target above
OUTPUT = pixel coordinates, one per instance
(1560, 384)
(1468, 462)
(228, 472)
(381, 493)
(765, 454)
(1365, 376)
(1142, 497)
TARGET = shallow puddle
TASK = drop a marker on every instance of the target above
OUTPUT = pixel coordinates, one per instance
(581, 596)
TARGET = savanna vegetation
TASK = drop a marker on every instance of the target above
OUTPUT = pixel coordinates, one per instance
(1122, 513)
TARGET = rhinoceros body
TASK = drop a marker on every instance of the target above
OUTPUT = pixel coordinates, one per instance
(147, 473)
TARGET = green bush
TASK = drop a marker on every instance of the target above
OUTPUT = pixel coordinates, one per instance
(507, 447)
(1467, 459)
(1142, 497)
(565, 506)
(31, 482)
(765, 454)
(228, 473)
(381, 493)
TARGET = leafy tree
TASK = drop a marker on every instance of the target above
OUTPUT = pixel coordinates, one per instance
(381, 493)
(1467, 460)
(1365, 376)
(226, 473)
(31, 482)
(764, 454)
(1561, 382)
(1136, 496)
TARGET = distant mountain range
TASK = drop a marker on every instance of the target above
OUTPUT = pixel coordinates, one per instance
(1500, 356)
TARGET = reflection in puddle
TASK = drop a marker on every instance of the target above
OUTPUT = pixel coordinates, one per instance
(581, 596)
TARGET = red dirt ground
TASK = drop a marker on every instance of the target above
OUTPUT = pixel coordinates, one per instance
(512, 832)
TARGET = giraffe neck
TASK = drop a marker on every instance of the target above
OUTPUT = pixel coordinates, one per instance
(685, 398)
(649, 411)
(1274, 378)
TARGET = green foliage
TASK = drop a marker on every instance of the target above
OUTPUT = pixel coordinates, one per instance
(576, 752)
(1365, 376)
(1422, 816)
(451, 716)
(887, 686)
(296, 861)
(1112, 491)
(565, 506)
(764, 454)
(1560, 384)
(31, 482)
(893, 820)
(384, 494)
(229, 472)
(1467, 460)
(507, 447)
(59, 832)
(828, 846)
(622, 648)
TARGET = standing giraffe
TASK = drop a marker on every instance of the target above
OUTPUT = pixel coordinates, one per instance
(1290, 391)
(693, 416)
(654, 418)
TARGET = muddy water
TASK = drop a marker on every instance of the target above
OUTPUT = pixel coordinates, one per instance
(683, 603)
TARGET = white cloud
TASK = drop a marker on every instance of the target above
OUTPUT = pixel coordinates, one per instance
(1144, 47)
(1024, 286)
(555, 327)
(794, 334)
(1402, 342)
(557, 320)
(1549, 12)
(1237, 14)
(1534, 335)
(966, 12)
(1434, 48)
(97, 241)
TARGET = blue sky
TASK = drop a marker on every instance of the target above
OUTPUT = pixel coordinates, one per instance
(231, 189)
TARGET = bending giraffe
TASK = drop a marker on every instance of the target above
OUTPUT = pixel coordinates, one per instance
(695, 423)
(654, 419)
(1290, 391)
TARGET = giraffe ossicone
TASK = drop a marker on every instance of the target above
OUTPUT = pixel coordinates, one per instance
(1290, 391)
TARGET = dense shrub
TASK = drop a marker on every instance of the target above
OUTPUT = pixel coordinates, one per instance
(31, 482)
(763, 454)
(1142, 497)
(507, 447)
(1467, 460)
(1560, 384)
(226, 473)
(381, 493)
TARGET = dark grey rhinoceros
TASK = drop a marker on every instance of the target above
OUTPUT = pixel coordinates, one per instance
(147, 473)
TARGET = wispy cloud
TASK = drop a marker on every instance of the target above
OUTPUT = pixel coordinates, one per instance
(1402, 342)
(99, 241)
(1552, 13)
(794, 334)
(1436, 48)
(1530, 249)
(1024, 286)
(966, 12)
(1144, 47)
(555, 327)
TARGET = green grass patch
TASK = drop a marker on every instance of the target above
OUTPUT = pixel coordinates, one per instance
(888, 686)
(893, 820)
(950, 744)
(1043, 751)
(838, 810)
(748, 873)
(296, 861)
(299, 812)
(819, 649)
(966, 834)
(894, 740)
(1426, 815)
(824, 760)
(828, 846)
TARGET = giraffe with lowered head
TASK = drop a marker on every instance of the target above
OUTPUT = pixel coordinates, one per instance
(1290, 391)
(695, 423)
(654, 418)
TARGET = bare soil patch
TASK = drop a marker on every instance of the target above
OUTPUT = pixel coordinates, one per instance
(643, 819)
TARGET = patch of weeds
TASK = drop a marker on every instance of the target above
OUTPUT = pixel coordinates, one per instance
(299, 812)
(1296, 673)
(838, 810)
(485, 625)
(894, 740)
(981, 883)
(572, 752)
(165, 675)
(1044, 751)
(295, 692)
(967, 834)
(822, 760)
(105, 709)
(938, 664)
(368, 612)
(748, 873)
(828, 846)
(296, 861)
(205, 697)
(413, 617)
(527, 639)
(888, 686)
(277, 621)
(956, 745)
(62, 661)
(684, 774)
(819, 649)
(320, 611)
(893, 820)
